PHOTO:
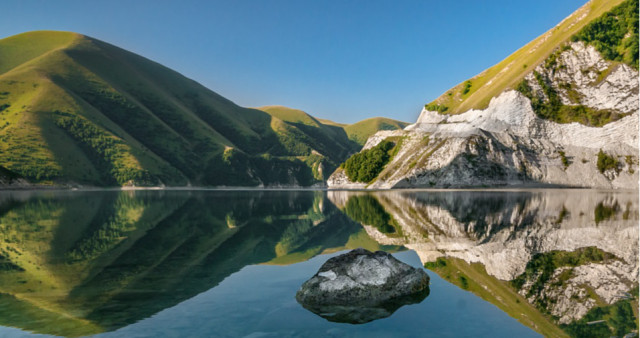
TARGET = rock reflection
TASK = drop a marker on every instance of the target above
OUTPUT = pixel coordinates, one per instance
(363, 314)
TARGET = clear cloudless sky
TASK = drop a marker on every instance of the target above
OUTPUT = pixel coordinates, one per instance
(344, 60)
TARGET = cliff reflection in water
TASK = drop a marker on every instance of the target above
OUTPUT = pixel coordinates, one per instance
(548, 257)
(81, 263)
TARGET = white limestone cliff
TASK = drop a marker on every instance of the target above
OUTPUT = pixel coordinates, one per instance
(508, 144)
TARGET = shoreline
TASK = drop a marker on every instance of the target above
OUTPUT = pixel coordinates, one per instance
(519, 188)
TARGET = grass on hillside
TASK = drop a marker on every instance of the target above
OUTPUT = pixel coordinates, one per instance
(79, 110)
(15, 52)
(360, 131)
(476, 92)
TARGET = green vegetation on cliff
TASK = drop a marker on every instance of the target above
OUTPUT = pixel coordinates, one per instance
(615, 33)
(606, 162)
(367, 164)
(614, 320)
(551, 107)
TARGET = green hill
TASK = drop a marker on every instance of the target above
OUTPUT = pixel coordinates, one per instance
(358, 132)
(476, 92)
(76, 110)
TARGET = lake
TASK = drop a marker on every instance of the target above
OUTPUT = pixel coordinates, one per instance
(195, 263)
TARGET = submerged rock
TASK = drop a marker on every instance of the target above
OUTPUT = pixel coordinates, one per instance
(361, 286)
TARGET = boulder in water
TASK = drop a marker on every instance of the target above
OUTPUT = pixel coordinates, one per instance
(361, 286)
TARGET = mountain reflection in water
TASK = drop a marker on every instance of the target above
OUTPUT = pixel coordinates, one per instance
(79, 263)
(570, 254)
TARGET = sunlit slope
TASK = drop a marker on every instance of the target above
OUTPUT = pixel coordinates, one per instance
(360, 131)
(15, 52)
(345, 134)
(76, 110)
(476, 92)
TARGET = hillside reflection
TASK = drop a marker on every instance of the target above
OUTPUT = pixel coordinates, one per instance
(81, 263)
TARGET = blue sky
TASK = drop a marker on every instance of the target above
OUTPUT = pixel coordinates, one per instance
(342, 60)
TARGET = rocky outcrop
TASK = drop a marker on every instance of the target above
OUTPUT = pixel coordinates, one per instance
(360, 286)
(509, 144)
(10, 180)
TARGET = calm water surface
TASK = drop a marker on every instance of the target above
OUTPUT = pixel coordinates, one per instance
(228, 264)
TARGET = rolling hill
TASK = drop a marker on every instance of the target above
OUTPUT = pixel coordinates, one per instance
(357, 132)
(78, 111)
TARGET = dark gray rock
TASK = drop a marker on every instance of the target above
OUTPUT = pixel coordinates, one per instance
(361, 286)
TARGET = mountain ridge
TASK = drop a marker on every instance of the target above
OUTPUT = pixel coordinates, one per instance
(75, 110)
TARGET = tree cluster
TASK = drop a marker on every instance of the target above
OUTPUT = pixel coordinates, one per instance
(615, 34)
(367, 164)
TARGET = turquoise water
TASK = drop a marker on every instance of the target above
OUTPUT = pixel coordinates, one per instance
(228, 264)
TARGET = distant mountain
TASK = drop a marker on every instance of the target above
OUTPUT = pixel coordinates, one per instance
(358, 132)
(76, 110)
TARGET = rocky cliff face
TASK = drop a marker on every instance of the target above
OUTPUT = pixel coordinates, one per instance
(509, 144)
(10, 180)
(505, 232)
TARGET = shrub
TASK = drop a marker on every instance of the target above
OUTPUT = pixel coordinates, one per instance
(564, 159)
(440, 108)
(603, 212)
(439, 263)
(466, 88)
(606, 162)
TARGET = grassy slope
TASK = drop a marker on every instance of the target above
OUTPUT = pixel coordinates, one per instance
(360, 131)
(357, 132)
(75, 109)
(333, 139)
(510, 71)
